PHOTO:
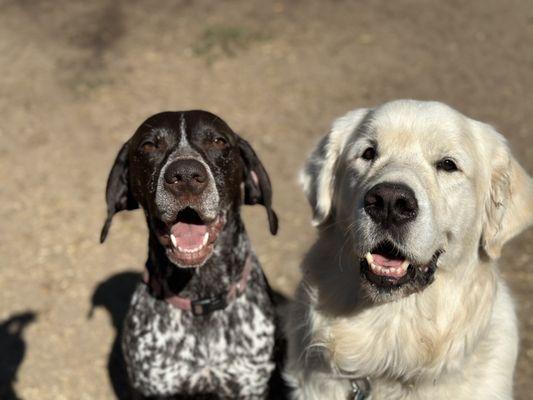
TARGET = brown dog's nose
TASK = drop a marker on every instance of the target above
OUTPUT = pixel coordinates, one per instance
(391, 204)
(186, 176)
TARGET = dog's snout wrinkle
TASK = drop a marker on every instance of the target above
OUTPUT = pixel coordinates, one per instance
(391, 204)
(186, 176)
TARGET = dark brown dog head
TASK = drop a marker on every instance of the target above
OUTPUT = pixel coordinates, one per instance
(187, 170)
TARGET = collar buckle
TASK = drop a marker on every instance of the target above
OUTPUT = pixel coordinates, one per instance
(360, 389)
(207, 305)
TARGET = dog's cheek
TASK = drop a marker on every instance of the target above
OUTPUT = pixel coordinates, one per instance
(236, 183)
(140, 184)
(462, 218)
(347, 201)
(228, 177)
(232, 193)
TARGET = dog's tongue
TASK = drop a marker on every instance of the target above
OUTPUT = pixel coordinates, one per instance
(188, 236)
(386, 262)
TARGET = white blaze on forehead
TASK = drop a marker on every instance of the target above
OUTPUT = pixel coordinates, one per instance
(183, 132)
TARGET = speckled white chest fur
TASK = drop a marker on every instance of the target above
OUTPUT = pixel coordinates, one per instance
(172, 351)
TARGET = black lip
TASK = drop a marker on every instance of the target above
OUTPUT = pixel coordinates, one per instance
(386, 282)
(421, 275)
(214, 227)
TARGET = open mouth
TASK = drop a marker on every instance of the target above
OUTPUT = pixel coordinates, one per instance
(387, 267)
(190, 240)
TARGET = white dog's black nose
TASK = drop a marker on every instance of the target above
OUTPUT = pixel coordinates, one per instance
(391, 204)
(186, 176)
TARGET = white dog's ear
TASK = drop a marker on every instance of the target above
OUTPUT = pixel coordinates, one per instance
(318, 175)
(509, 204)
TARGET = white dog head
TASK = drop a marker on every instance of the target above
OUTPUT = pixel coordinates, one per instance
(415, 186)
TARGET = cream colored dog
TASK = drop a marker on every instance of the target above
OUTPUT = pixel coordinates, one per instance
(401, 297)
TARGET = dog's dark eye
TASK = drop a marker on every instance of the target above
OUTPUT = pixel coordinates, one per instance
(148, 146)
(447, 165)
(220, 142)
(369, 154)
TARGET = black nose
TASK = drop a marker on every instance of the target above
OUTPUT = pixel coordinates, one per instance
(186, 176)
(391, 204)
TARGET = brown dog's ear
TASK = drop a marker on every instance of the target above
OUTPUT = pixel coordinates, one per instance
(509, 204)
(257, 187)
(118, 195)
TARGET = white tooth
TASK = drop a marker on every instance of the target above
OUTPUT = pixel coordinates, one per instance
(173, 240)
(376, 268)
(369, 258)
(189, 251)
(206, 238)
(405, 265)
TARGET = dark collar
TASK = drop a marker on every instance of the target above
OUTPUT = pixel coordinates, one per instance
(360, 388)
(203, 306)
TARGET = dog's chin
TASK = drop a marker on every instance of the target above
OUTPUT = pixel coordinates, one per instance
(388, 275)
(190, 240)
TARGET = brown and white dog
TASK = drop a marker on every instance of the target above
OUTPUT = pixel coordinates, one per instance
(401, 297)
(202, 325)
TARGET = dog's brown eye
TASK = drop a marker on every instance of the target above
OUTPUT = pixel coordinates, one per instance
(220, 142)
(447, 165)
(149, 146)
(369, 154)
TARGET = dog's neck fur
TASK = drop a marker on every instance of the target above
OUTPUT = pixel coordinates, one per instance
(421, 314)
(223, 268)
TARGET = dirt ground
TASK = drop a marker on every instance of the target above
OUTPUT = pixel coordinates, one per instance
(78, 77)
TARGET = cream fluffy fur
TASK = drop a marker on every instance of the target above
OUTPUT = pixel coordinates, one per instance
(454, 339)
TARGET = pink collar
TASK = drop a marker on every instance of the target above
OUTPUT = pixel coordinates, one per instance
(205, 305)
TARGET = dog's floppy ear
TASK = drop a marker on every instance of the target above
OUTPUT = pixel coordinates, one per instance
(118, 195)
(509, 202)
(318, 175)
(257, 187)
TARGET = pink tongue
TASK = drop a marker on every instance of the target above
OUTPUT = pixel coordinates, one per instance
(386, 262)
(188, 236)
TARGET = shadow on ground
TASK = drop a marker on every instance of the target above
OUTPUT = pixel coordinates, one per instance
(114, 295)
(12, 351)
